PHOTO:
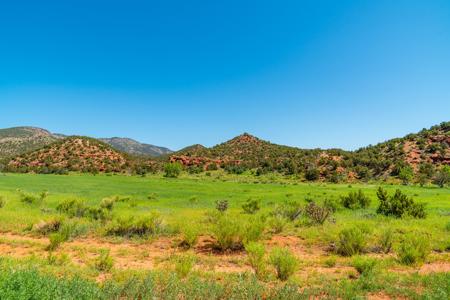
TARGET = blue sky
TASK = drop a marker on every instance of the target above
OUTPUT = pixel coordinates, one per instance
(173, 73)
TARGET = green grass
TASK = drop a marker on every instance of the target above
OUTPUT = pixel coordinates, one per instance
(172, 199)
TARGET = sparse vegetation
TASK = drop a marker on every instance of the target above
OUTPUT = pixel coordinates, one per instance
(351, 241)
(284, 262)
(355, 200)
(414, 248)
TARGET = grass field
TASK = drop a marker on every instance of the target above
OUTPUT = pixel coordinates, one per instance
(93, 264)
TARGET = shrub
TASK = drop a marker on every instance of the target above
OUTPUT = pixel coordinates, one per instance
(184, 265)
(289, 209)
(30, 198)
(72, 208)
(232, 233)
(2, 201)
(276, 224)
(406, 174)
(442, 177)
(256, 252)
(228, 233)
(330, 262)
(355, 200)
(189, 236)
(136, 226)
(104, 263)
(108, 203)
(414, 248)
(222, 205)
(172, 170)
(399, 205)
(46, 227)
(351, 241)
(386, 240)
(364, 265)
(284, 262)
(317, 214)
(312, 174)
(56, 239)
(251, 206)
(331, 204)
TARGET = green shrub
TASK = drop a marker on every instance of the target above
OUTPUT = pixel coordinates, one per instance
(413, 249)
(256, 252)
(406, 174)
(386, 240)
(284, 262)
(222, 205)
(399, 205)
(355, 200)
(317, 214)
(447, 227)
(351, 241)
(30, 198)
(72, 208)
(276, 224)
(189, 236)
(228, 233)
(331, 204)
(251, 206)
(364, 265)
(2, 201)
(172, 170)
(56, 239)
(231, 233)
(184, 265)
(330, 262)
(136, 226)
(108, 203)
(104, 263)
(289, 209)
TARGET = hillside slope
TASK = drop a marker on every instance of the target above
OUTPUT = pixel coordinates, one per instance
(134, 147)
(18, 140)
(428, 149)
(71, 154)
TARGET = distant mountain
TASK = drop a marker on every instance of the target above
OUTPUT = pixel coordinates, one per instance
(136, 148)
(74, 153)
(17, 140)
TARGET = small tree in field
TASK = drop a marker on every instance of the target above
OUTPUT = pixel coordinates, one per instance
(406, 175)
(172, 170)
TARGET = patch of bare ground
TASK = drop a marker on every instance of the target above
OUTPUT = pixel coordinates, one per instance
(148, 255)
(383, 296)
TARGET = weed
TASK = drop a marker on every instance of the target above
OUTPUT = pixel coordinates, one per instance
(189, 236)
(364, 265)
(222, 205)
(256, 252)
(104, 263)
(184, 265)
(284, 261)
(386, 240)
(413, 249)
(351, 241)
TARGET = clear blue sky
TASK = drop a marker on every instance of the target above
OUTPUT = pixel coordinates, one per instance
(173, 73)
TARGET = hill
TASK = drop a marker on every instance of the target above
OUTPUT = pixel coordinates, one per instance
(426, 150)
(71, 154)
(134, 147)
(18, 140)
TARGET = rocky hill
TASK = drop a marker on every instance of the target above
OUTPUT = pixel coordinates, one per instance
(133, 147)
(18, 140)
(71, 154)
(428, 149)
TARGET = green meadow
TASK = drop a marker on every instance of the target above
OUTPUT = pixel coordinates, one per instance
(134, 267)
